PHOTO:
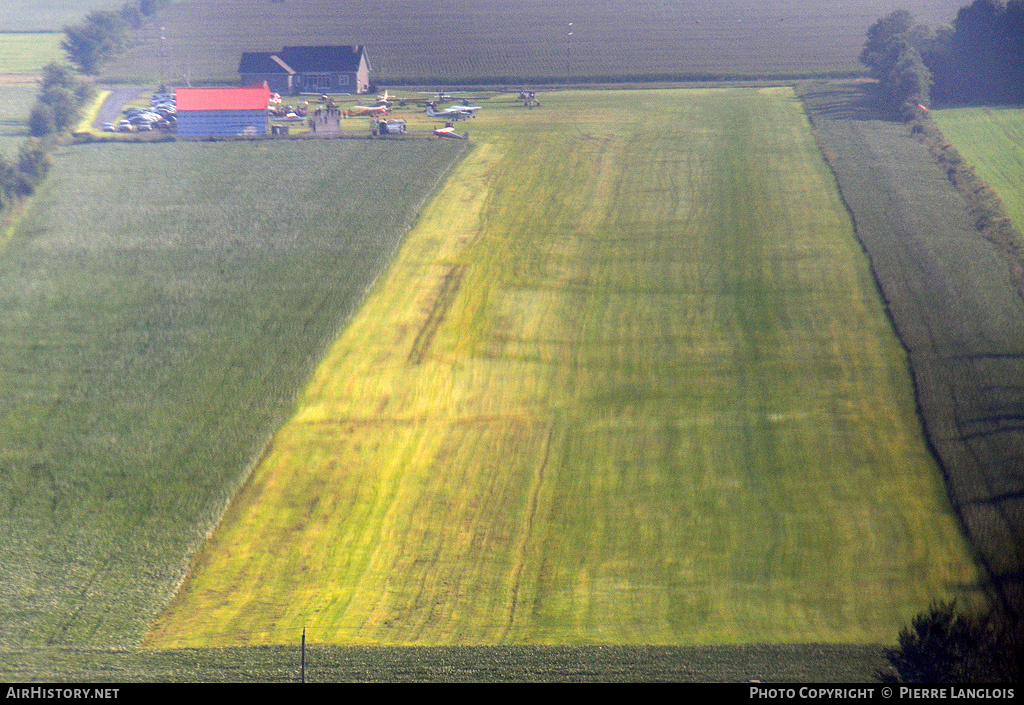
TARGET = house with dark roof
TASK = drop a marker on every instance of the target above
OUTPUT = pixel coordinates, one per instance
(320, 69)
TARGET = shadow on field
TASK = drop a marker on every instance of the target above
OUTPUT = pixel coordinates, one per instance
(849, 101)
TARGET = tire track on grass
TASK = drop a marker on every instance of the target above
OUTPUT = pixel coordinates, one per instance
(528, 522)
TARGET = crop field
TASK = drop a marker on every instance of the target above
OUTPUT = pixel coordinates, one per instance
(806, 663)
(48, 15)
(24, 54)
(992, 140)
(955, 309)
(163, 304)
(628, 381)
(435, 42)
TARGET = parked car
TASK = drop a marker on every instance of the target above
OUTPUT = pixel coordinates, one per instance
(125, 126)
(109, 127)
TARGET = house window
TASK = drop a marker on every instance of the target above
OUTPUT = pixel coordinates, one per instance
(317, 82)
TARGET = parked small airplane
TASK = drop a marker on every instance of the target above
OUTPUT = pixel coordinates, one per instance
(387, 99)
(456, 112)
(368, 110)
(449, 131)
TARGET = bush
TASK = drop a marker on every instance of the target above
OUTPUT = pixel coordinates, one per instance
(41, 120)
(33, 163)
(65, 106)
(945, 646)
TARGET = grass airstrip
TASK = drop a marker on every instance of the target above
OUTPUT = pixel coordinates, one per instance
(627, 381)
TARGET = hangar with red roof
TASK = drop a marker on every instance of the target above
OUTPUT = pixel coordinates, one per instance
(223, 112)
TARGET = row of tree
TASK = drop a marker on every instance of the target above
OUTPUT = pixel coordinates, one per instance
(59, 103)
(980, 59)
(62, 94)
(977, 59)
(103, 34)
(58, 106)
(20, 177)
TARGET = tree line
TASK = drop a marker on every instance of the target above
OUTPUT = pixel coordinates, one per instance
(103, 34)
(979, 58)
(63, 93)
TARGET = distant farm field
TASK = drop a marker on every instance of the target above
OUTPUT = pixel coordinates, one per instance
(163, 304)
(436, 42)
(992, 140)
(15, 103)
(628, 381)
(48, 15)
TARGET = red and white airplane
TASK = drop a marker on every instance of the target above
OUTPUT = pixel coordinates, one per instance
(449, 131)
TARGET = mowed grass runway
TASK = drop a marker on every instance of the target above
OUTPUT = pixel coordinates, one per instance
(628, 381)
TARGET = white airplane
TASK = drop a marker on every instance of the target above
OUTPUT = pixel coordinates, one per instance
(456, 112)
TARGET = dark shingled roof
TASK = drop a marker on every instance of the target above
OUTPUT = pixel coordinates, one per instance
(304, 59)
(259, 62)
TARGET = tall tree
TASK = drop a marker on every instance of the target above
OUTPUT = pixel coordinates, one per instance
(100, 37)
(885, 38)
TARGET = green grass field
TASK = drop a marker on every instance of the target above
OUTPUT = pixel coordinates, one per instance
(25, 54)
(22, 57)
(627, 382)
(163, 305)
(522, 41)
(15, 103)
(992, 140)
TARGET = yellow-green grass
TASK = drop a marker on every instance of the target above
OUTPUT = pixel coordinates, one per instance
(991, 140)
(89, 113)
(24, 54)
(628, 381)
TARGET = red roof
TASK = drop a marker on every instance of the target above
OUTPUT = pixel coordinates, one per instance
(247, 98)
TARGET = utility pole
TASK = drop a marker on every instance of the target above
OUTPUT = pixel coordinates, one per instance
(163, 60)
(303, 654)
(568, 53)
